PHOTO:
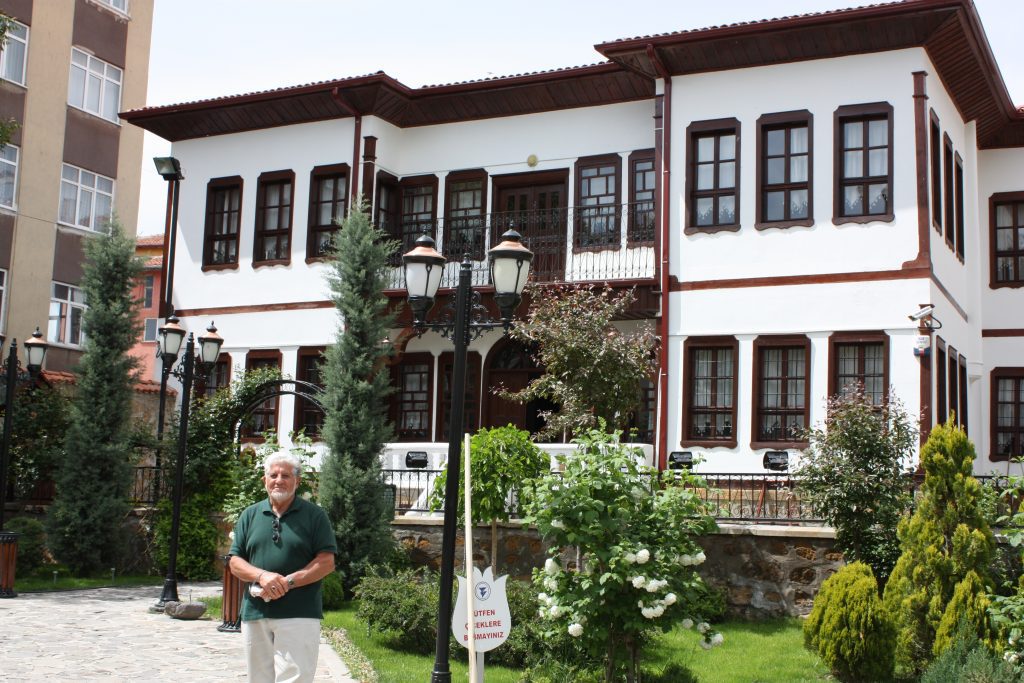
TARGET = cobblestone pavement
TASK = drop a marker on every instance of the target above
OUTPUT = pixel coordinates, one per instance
(108, 634)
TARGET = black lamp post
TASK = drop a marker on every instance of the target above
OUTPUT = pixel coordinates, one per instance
(510, 267)
(35, 351)
(171, 336)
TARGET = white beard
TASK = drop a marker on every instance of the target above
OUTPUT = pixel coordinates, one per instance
(280, 496)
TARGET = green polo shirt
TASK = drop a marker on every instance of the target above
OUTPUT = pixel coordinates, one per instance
(305, 532)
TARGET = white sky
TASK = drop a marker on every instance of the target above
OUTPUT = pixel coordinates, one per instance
(212, 48)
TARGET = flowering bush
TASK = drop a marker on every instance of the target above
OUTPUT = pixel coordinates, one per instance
(1007, 611)
(635, 535)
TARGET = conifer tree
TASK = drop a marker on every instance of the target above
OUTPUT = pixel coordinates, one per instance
(87, 529)
(941, 579)
(356, 387)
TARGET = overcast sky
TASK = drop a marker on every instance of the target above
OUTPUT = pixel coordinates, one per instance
(212, 48)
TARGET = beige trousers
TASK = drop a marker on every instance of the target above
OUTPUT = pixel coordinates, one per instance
(281, 650)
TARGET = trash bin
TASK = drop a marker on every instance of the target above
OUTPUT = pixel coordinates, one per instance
(8, 561)
(231, 605)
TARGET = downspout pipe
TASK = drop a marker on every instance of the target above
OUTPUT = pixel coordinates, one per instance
(663, 255)
(356, 137)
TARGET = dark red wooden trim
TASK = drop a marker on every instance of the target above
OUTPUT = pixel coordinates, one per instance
(812, 279)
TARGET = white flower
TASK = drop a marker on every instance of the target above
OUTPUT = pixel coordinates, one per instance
(551, 584)
(705, 644)
(658, 610)
(640, 604)
(543, 597)
(557, 524)
(717, 639)
(686, 560)
(550, 566)
(699, 558)
(576, 630)
(670, 599)
(630, 558)
(643, 556)
(555, 611)
(639, 582)
(649, 612)
(703, 627)
(687, 623)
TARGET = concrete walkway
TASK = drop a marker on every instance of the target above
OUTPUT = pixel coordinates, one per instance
(108, 634)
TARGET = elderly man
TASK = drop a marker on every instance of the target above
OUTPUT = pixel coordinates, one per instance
(284, 545)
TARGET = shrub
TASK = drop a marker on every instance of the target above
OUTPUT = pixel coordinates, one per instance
(333, 591)
(968, 660)
(942, 578)
(848, 627)
(197, 541)
(31, 543)
(1007, 610)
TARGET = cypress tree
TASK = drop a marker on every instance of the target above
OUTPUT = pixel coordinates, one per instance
(356, 387)
(87, 529)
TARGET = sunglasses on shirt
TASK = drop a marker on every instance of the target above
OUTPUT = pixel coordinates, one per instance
(276, 525)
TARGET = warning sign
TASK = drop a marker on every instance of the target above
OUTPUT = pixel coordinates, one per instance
(491, 617)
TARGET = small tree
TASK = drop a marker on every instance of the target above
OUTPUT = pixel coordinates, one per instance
(592, 370)
(356, 387)
(942, 577)
(638, 555)
(854, 473)
(504, 462)
(87, 517)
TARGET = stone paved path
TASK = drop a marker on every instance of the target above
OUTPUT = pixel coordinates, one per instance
(107, 634)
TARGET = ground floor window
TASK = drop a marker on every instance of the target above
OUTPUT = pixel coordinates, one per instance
(1007, 413)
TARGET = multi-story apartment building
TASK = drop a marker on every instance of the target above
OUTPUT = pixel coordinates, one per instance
(68, 68)
(784, 195)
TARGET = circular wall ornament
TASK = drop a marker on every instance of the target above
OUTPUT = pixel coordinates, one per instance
(531, 160)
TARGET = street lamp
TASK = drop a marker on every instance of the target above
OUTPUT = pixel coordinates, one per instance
(35, 352)
(171, 336)
(169, 169)
(423, 265)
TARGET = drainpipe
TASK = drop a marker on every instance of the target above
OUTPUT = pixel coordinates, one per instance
(663, 251)
(355, 143)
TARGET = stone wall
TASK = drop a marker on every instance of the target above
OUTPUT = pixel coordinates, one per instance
(765, 571)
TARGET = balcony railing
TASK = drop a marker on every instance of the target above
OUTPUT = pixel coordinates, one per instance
(573, 244)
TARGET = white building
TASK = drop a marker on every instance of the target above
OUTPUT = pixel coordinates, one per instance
(783, 194)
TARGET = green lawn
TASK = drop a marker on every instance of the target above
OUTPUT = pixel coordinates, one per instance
(753, 652)
(41, 582)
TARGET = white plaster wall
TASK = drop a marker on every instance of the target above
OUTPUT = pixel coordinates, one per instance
(820, 86)
(999, 170)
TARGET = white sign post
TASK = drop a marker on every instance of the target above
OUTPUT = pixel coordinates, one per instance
(491, 620)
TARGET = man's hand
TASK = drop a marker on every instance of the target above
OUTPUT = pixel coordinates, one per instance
(274, 585)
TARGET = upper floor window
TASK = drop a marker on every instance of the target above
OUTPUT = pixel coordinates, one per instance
(1006, 213)
(859, 361)
(863, 163)
(1007, 437)
(784, 170)
(273, 217)
(14, 53)
(709, 412)
(597, 199)
(148, 283)
(8, 175)
(67, 311)
(223, 213)
(149, 330)
(120, 5)
(418, 210)
(464, 227)
(86, 199)
(935, 166)
(95, 86)
(959, 191)
(782, 390)
(641, 197)
(328, 187)
(713, 178)
(947, 170)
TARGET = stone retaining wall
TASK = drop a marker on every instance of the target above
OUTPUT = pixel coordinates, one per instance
(765, 571)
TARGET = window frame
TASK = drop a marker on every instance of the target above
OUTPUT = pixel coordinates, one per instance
(282, 178)
(472, 407)
(1011, 373)
(396, 402)
(299, 408)
(110, 4)
(614, 240)
(785, 121)
(3, 300)
(214, 186)
(837, 339)
(79, 189)
(964, 388)
(314, 228)
(935, 169)
(104, 80)
(479, 242)
(13, 206)
(958, 169)
(952, 365)
(82, 305)
(633, 213)
(700, 129)
(259, 355)
(405, 187)
(941, 382)
(691, 345)
(24, 61)
(948, 220)
(205, 387)
(861, 112)
(767, 342)
(994, 201)
(147, 323)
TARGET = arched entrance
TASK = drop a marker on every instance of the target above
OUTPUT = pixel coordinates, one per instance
(511, 365)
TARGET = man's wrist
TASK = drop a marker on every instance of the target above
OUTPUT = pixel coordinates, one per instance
(291, 580)
(258, 578)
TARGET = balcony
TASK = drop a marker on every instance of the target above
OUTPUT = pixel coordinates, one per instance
(573, 244)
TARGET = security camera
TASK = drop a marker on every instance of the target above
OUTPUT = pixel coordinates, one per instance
(924, 312)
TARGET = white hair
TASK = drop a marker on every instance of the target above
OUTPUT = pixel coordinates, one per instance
(283, 457)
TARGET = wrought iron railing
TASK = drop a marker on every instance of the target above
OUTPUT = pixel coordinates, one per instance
(572, 244)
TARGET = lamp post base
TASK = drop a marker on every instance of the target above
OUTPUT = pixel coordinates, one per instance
(170, 594)
(441, 677)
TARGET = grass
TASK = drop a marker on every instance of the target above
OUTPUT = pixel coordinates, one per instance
(42, 580)
(753, 652)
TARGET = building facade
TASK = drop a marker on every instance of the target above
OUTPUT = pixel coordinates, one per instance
(802, 205)
(68, 68)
